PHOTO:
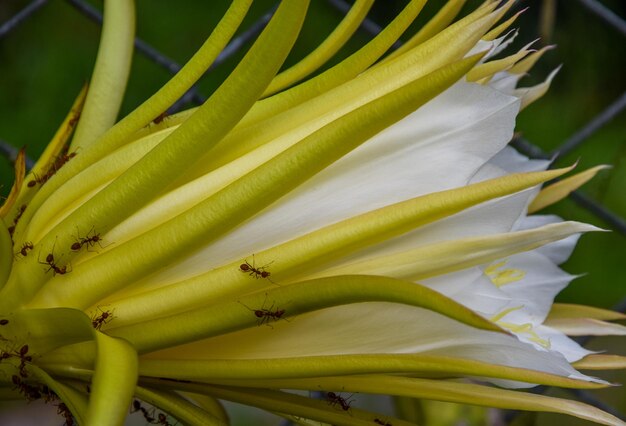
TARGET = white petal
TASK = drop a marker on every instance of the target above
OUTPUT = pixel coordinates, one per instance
(373, 328)
(558, 251)
(494, 46)
(471, 288)
(438, 147)
(536, 291)
(505, 82)
(513, 162)
(562, 344)
(530, 94)
(504, 41)
(496, 216)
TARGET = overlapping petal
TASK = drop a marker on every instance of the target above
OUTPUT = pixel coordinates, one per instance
(367, 227)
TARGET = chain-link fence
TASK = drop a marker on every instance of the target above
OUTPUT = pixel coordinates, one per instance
(601, 16)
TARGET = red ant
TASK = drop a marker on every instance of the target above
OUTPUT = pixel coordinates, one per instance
(61, 270)
(88, 241)
(74, 119)
(148, 415)
(257, 273)
(336, 399)
(23, 360)
(58, 162)
(48, 394)
(382, 422)
(162, 420)
(26, 247)
(138, 407)
(19, 214)
(159, 118)
(31, 393)
(65, 412)
(98, 321)
(37, 179)
(267, 315)
(21, 354)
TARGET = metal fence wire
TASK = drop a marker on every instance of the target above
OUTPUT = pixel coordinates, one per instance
(193, 97)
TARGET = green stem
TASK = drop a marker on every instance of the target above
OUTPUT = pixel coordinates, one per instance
(110, 75)
(324, 51)
(208, 370)
(6, 254)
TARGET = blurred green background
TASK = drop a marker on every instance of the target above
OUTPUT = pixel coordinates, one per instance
(45, 61)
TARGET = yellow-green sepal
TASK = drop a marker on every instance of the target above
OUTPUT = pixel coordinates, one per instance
(114, 381)
(284, 402)
(45, 330)
(6, 254)
(108, 82)
(308, 296)
(178, 407)
(324, 51)
(415, 365)
(450, 391)
(10, 202)
(74, 400)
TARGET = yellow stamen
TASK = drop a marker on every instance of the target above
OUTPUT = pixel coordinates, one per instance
(500, 277)
(504, 313)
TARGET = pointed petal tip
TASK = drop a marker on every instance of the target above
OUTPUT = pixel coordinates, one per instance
(526, 47)
(566, 169)
(581, 227)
